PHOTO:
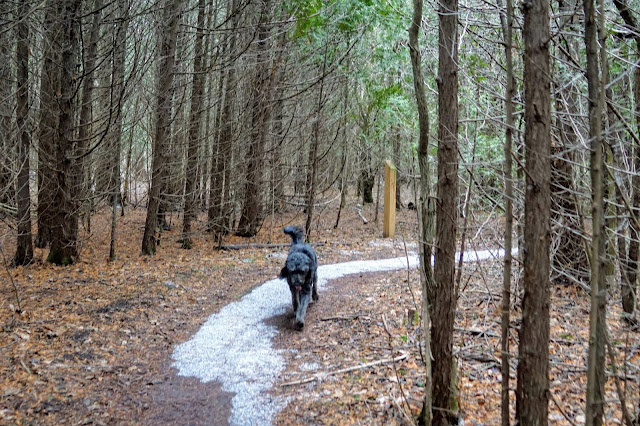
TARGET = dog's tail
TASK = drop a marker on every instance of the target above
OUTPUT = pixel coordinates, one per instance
(295, 232)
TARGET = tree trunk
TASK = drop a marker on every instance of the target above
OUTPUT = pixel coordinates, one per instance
(64, 220)
(6, 110)
(84, 125)
(532, 392)
(24, 245)
(252, 207)
(49, 87)
(219, 215)
(313, 153)
(444, 293)
(506, 21)
(595, 363)
(194, 129)
(426, 208)
(162, 116)
(118, 87)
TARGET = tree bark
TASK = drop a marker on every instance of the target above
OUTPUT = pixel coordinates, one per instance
(64, 220)
(24, 245)
(162, 116)
(506, 21)
(49, 87)
(194, 129)
(444, 293)
(219, 214)
(532, 390)
(594, 410)
(6, 110)
(118, 87)
(426, 208)
(251, 215)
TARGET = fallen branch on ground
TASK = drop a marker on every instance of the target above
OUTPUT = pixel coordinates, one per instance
(260, 246)
(321, 375)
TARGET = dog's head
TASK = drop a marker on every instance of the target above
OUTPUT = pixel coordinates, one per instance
(296, 270)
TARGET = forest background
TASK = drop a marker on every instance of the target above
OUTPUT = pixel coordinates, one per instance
(227, 119)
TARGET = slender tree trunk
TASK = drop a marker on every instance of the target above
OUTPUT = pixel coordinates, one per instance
(219, 215)
(252, 207)
(506, 20)
(194, 129)
(118, 87)
(6, 109)
(426, 209)
(24, 245)
(595, 363)
(64, 224)
(162, 115)
(49, 87)
(84, 126)
(313, 153)
(532, 393)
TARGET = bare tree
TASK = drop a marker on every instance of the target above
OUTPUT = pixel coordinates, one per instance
(444, 293)
(251, 215)
(162, 116)
(532, 392)
(595, 362)
(194, 128)
(425, 209)
(24, 245)
(506, 20)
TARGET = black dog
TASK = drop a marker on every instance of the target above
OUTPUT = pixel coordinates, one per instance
(301, 273)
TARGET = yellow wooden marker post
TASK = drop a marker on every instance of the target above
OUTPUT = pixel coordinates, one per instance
(389, 227)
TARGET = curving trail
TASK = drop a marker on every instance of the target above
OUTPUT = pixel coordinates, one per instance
(234, 346)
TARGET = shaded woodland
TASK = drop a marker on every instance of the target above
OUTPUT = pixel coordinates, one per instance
(214, 120)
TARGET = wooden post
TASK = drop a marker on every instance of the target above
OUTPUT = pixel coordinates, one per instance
(389, 227)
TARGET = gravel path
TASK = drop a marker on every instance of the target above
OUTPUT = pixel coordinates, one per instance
(234, 346)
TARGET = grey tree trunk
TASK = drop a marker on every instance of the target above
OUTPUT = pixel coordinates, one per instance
(118, 87)
(49, 87)
(24, 245)
(532, 392)
(219, 214)
(506, 21)
(251, 215)
(162, 116)
(426, 209)
(594, 410)
(64, 220)
(194, 130)
(6, 110)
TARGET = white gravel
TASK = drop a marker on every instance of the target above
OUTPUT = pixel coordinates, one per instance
(234, 346)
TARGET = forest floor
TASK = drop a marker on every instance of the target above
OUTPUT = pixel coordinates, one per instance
(93, 342)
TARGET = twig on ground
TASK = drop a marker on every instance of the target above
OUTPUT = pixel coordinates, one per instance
(561, 410)
(395, 370)
(340, 318)
(13, 283)
(319, 376)
(259, 246)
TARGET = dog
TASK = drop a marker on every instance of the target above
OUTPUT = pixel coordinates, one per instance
(301, 272)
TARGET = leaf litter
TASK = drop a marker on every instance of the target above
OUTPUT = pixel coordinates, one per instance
(94, 341)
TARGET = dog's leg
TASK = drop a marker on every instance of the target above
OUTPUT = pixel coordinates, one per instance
(302, 309)
(314, 292)
(295, 300)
